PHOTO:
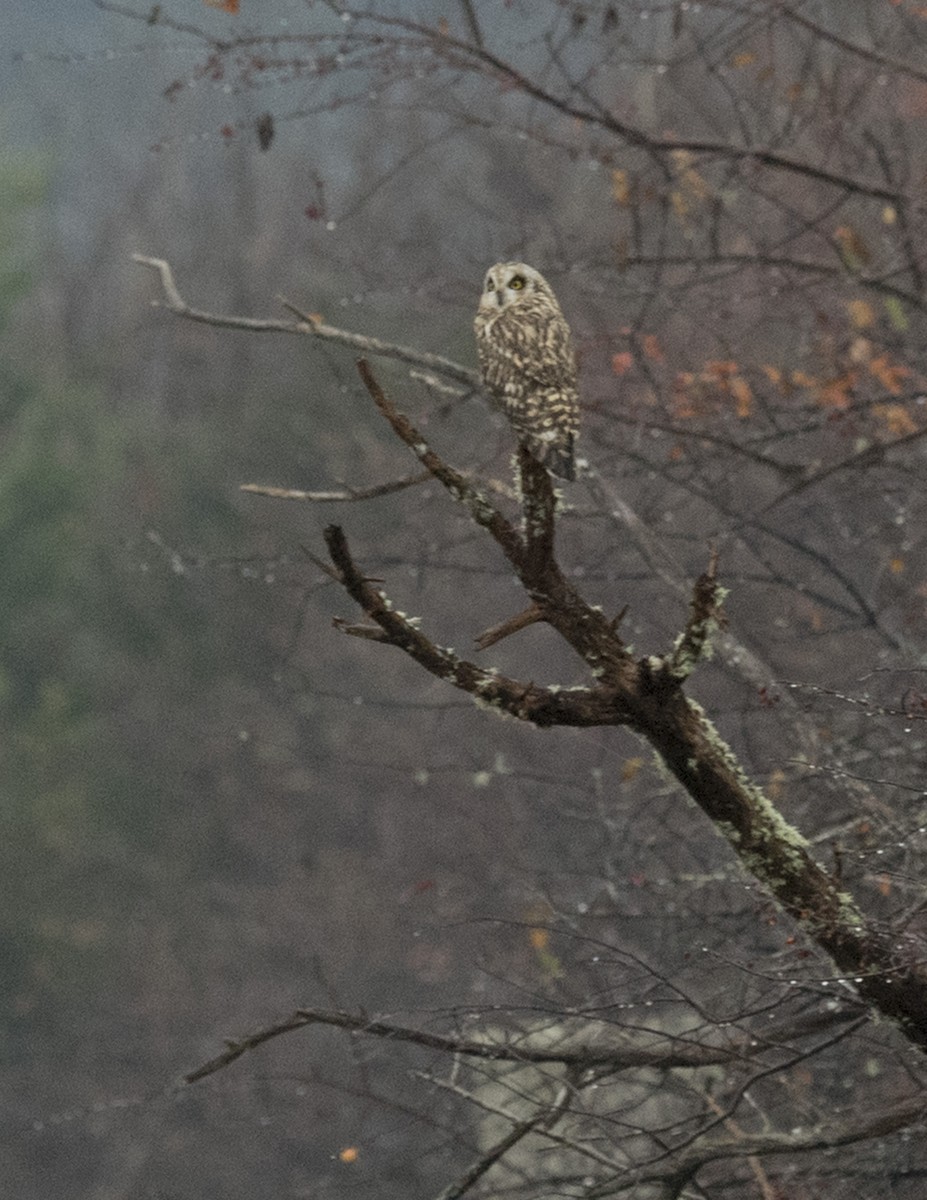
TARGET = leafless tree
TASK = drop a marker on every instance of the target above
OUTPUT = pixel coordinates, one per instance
(742, 183)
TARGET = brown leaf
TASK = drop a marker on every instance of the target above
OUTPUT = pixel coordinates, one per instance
(862, 314)
(652, 347)
(621, 189)
(890, 375)
(896, 419)
(743, 394)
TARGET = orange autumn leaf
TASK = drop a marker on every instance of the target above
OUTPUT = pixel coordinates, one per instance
(227, 6)
(885, 885)
(622, 362)
(896, 419)
(683, 404)
(348, 1154)
(896, 565)
(777, 378)
(652, 350)
(539, 938)
(743, 394)
(621, 189)
(890, 375)
(861, 313)
(836, 393)
(630, 768)
(744, 59)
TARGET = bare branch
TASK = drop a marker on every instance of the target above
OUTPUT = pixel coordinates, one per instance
(472, 23)
(306, 326)
(526, 701)
(539, 504)
(705, 616)
(489, 637)
(346, 494)
(371, 633)
(456, 483)
(545, 1118)
(855, 1127)
(464, 54)
(622, 1053)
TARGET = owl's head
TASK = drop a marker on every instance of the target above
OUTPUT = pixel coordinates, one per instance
(510, 283)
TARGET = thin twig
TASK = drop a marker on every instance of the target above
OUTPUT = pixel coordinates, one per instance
(705, 617)
(543, 1119)
(622, 1055)
(346, 494)
(504, 629)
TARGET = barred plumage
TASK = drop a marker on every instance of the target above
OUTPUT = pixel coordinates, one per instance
(527, 362)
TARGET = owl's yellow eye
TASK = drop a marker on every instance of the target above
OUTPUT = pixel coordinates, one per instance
(517, 282)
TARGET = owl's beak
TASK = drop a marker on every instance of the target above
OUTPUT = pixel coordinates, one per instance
(499, 296)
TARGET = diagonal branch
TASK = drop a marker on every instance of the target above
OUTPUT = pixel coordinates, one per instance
(649, 698)
(888, 974)
(581, 625)
(455, 481)
(307, 327)
(495, 633)
(545, 1118)
(527, 701)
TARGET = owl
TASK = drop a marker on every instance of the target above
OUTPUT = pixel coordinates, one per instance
(527, 362)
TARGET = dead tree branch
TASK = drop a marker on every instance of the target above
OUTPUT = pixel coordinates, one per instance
(306, 326)
(647, 696)
(623, 1054)
(345, 494)
(641, 695)
(489, 637)
(617, 1050)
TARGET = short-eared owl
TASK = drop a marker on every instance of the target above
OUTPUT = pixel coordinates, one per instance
(527, 362)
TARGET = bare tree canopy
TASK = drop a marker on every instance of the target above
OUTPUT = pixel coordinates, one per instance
(508, 834)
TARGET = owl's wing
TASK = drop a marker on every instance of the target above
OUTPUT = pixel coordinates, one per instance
(550, 362)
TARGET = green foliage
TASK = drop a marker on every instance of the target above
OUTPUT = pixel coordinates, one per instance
(86, 633)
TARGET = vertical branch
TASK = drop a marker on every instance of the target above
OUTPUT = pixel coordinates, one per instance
(539, 505)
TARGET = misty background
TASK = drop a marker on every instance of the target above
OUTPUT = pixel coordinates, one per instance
(215, 807)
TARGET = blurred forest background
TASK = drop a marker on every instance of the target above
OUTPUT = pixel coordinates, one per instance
(215, 807)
